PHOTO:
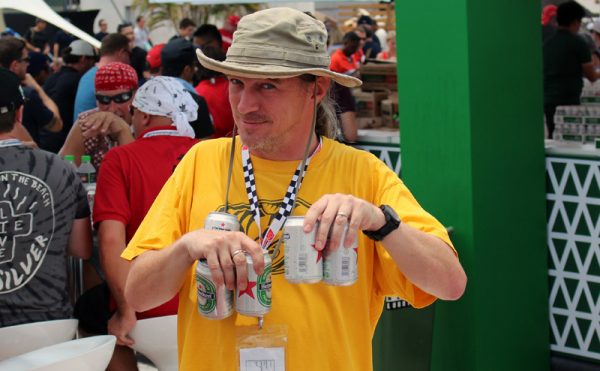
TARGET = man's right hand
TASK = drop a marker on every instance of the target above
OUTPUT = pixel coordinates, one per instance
(221, 249)
(102, 123)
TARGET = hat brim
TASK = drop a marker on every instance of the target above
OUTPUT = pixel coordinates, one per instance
(272, 71)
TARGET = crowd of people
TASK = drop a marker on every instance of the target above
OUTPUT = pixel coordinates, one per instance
(146, 124)
(571, 52)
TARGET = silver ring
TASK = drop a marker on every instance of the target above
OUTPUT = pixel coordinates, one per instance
(342, 214)
(239, 251)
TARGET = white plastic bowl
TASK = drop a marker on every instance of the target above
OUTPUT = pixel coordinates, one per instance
(87, 354)
(156, 338)
(19, 339)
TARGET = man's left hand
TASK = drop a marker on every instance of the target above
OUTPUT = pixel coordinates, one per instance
(335, 211)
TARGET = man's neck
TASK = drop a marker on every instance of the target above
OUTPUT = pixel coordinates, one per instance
(5, 136)
(286, 153)
(571, 29)
(106, 60)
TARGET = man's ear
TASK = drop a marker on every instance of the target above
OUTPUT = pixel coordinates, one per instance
(145, 118)
(322, 87)
(13, 66)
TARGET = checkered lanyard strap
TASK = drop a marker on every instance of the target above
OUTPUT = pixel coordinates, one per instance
(288, 201)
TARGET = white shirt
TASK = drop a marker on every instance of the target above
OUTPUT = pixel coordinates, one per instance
(142, 37)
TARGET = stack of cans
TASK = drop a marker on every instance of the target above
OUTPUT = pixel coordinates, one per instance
(304, 264)
(216, 301)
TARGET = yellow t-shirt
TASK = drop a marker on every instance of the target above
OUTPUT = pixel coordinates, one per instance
(330, 328)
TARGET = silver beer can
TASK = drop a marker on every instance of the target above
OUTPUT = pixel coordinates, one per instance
(340, 267)
(255, 300)
(218, 221)
(214, 301)
(303, 263)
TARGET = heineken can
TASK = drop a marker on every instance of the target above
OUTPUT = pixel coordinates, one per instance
(255, 300)
(340, 267)
(214, 301)
(218, 221)
(303, 263)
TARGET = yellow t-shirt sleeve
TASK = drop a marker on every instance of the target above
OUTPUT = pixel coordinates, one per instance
(167, 219)
(389, 280)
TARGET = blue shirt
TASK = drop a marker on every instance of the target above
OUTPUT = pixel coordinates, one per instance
(86, 97)
(187, 86)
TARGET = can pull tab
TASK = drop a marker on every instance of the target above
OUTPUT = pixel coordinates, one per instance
(261, 321)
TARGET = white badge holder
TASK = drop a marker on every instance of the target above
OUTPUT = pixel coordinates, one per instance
(261, 349)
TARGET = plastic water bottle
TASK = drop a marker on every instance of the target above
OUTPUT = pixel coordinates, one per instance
(86, 171)
(70, 159)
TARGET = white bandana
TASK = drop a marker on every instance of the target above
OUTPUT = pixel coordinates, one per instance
(165, 96)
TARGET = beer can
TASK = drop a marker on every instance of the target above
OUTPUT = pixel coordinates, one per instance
(219, 221)
(255, 300)
(340, 267)
(214, 301)
(303, 263)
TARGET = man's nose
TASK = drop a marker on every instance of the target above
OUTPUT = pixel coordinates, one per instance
(248, 102)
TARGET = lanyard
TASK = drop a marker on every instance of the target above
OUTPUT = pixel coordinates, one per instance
(286, 206)
(168, 132)
(10, 143)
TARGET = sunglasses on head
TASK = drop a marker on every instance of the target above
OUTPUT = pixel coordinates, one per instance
(118, 98)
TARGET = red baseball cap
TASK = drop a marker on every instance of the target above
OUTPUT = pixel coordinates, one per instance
(153, 56)
(548, 13)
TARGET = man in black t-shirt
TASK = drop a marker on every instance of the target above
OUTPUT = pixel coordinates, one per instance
(103, 30)
(44, 215)
(40, 112)
(61, 87)
(567, 59)
(36, 38)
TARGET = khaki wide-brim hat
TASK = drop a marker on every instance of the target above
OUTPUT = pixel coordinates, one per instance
(278, 43)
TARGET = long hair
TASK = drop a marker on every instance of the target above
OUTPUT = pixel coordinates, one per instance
(327, 122)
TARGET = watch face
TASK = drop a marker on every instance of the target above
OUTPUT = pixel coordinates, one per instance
(390, 214)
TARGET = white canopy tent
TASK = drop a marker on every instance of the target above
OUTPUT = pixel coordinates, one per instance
(40, 9)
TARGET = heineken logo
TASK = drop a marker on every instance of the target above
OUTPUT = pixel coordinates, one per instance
(249, 290)
(264, 287)
(207, 294)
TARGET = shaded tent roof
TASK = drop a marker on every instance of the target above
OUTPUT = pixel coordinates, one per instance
(40, 9)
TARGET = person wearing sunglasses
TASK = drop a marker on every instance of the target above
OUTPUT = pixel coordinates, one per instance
(40, 112)
(131, 178)
(108, 125)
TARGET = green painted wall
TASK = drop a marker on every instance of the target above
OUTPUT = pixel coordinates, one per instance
(470, 94)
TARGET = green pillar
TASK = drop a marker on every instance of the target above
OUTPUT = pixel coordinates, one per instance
(470, 93)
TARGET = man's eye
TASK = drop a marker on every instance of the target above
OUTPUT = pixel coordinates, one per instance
(234, 82)
(267, 86)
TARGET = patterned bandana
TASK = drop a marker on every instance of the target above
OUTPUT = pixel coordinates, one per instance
(115, 76)
(165, 96)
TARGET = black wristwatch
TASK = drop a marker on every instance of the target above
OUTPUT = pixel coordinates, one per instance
(392, 222)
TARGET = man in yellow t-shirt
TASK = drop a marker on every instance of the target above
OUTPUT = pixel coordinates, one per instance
(278, 75)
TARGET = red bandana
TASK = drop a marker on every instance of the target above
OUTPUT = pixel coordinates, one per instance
(115, 76)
